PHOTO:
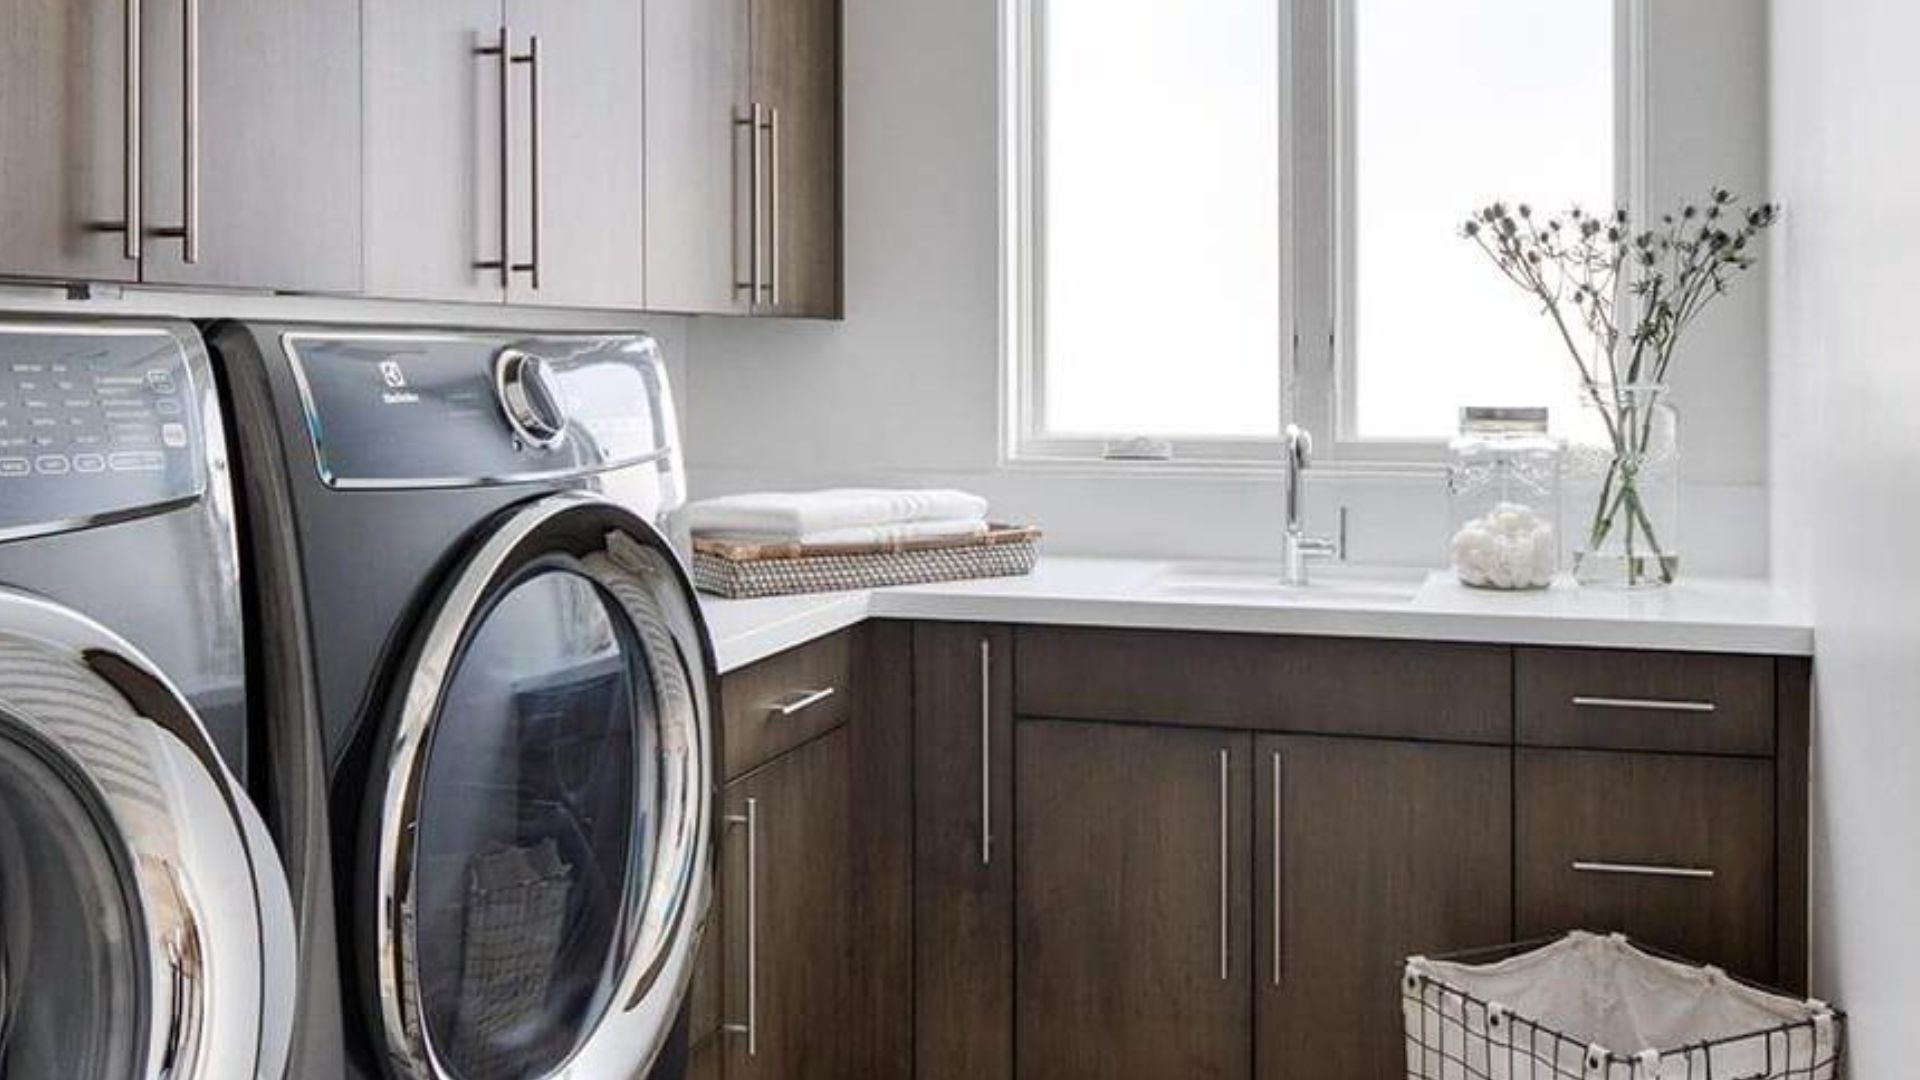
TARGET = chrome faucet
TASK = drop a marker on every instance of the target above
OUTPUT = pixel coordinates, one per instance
(1296, 546)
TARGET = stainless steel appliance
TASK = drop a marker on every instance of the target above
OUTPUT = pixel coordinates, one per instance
(146, 928)
(498, 671)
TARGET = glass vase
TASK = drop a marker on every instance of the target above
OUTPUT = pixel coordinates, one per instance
(1626, 504)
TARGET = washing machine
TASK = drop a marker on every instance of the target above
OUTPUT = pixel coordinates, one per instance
(496, 665)
(146, 926)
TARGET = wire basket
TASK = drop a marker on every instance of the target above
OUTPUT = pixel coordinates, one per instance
(1546, 1011)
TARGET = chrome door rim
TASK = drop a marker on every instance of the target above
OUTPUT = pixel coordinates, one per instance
(215, 955)
(657, 962)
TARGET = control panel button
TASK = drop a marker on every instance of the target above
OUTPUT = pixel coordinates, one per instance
(52, 464)
(173, 435)
(136, 461)
(15, 466)
(89, 463)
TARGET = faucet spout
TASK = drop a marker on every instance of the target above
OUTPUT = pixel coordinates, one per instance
(1295, 545)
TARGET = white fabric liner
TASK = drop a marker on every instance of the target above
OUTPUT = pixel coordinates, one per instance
(1621, 1000)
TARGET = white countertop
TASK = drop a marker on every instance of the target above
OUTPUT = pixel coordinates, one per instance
(1694, 615)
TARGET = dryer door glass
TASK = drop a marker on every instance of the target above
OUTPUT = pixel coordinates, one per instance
(536, 826)
(69, 964)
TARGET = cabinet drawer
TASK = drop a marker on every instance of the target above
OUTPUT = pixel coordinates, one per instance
(777, 704)
(1338, 686)
(1607, 700)
(1675, 851)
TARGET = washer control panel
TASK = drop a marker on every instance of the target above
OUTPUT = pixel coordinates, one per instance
(96, 423)
(413, 410)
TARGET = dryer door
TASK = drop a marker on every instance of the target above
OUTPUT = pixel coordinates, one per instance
(537, 842)
(145, 926)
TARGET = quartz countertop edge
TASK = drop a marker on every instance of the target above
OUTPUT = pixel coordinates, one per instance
(1714, 615)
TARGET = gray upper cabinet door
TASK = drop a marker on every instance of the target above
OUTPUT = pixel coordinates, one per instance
(796, 81)
(63, 140)
(433, 151)
(276, 148)
(698, 209)
(576, 152)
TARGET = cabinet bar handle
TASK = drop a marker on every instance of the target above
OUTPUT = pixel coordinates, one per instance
(502, 54)
(1278, 926)
(751, 1029)
(773, 206)
(1225, 854)
(132, 202)
(986, 752)
(536, 146)
(800, 701)
(1644, 703)
(1695, 873)
(188, 231)
(756, 192)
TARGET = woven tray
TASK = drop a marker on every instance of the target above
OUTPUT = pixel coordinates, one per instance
(740, 571)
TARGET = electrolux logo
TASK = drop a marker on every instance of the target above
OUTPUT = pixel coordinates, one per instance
(395, 378)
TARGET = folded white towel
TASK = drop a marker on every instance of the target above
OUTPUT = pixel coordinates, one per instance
(823, 517)
(950, 529)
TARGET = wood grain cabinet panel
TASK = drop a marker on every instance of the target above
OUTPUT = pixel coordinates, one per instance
(788, 898)
(63, 140)
(1379, 850)
(698, 84)
(963, 852)
(781, 702)
(744, 157)
(278, 144)
(276, 84)
(1402, 689)
(1133, 857)
(796, 75)
(1675, 851)
(1618, 700)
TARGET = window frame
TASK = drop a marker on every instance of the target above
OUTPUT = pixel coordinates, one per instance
(1317, 375)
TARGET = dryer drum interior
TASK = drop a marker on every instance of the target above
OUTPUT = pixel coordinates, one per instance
(539, 843)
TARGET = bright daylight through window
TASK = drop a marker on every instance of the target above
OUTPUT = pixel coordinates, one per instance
(1158, 128)
(1454, 103)
(1161, 150)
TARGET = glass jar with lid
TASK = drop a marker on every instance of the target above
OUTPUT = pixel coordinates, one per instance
(1504, 499)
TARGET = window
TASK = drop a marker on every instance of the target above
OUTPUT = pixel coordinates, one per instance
(1225, 215)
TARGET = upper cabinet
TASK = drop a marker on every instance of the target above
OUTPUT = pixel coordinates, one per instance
(744, 157)
(182, 142)
(504, 151)
(664, 155)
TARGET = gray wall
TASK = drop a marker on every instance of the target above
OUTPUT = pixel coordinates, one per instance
(1846, 433)
(906, 391)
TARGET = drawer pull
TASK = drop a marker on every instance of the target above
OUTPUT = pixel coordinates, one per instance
(1653, 704)
(800, 701)
(1695, 873)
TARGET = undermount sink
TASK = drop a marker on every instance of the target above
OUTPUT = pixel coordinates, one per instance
(1261, 583)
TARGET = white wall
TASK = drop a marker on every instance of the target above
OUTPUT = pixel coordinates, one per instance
(906, 390)
(1846, 161)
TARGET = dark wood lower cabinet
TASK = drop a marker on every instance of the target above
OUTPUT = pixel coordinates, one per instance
(952, 885)
(1676, 851)
(1133, 863)
(963, 852)
(1378, 850)
(787, 872)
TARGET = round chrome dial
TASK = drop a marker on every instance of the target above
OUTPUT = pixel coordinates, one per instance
(530, 398)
